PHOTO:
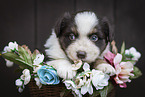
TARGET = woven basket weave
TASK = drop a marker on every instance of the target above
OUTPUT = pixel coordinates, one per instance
(53, 90)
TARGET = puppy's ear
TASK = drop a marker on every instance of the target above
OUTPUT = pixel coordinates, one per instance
(106, 29)
(62, 23)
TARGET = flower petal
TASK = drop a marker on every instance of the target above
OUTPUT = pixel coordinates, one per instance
(39, 59)
(132, 50)
(38, 82)
(20, 90)
(109, 57)
(123, 85)
(90, 89)
(84, 89)
(9, 63)
(18, 82)
(117, 59)
(27, 80)
(6, 49)
(86, 67)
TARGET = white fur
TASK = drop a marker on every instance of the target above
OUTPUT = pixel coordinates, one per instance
(85, 22)
(54, 50)
(60, 62)
(63, 67)
(83, 44)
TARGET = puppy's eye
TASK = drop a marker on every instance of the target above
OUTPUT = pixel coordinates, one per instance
(94, 38)
(72, 37)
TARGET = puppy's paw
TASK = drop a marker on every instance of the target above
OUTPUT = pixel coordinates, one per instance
(106, 68)
(66, 73)
(64, 68)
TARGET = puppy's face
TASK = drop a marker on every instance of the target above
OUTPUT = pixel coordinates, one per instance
(82, 36)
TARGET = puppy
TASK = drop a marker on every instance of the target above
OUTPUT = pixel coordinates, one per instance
(79, 37)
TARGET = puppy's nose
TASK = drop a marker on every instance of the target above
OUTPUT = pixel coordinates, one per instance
(81, 54)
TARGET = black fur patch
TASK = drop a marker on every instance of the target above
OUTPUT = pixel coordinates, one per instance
(64, 28)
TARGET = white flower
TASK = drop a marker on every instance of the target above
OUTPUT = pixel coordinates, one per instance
(77, 65)
(79, 82)
(9, 63)
(106, 68)
(99, 79)
(39, 59)
(134, 53)
(85, 80)
(87, 87)
(123, 71)
(19, 82)
(26, 76)
(78, 93)
(11, 46)
(36, 68)
(86, 67)
(20, 85)
(38, 83)
(71, 85)
(6, 49)
(20, 89)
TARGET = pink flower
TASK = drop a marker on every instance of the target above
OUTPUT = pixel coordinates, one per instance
(109, 57)
(123, 69)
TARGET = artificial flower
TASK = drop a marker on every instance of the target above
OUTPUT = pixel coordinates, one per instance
(133, 53)
(36, 68)
(6, 49)
(38, 83)
(109, 57)
(123, 71)
(86, 67)
(71, 85)
(26, 76)
(106, 68)
(9, 63)
(82, 82)
(19, 82)
(85, 80)
(20, 89)
(11, 47)
(87, 87)
(77, 65)
(39, 59)
(48, 75)
(99, 79)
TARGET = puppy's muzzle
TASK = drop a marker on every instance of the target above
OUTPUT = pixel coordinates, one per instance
(81, 54)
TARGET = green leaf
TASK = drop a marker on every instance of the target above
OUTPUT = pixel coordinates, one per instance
(122, 48)
(110, 87)
(24, 65)
(95, 94)
(16, 59)
(137, 73)
(25, 54)
(106, 90)
(36, 52)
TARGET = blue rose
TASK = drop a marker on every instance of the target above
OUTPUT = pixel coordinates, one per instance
(48, 75)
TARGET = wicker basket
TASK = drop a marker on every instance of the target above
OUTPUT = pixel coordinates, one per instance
(53, 90)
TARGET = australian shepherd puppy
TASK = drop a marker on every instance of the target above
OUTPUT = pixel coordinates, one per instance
(79, 37)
